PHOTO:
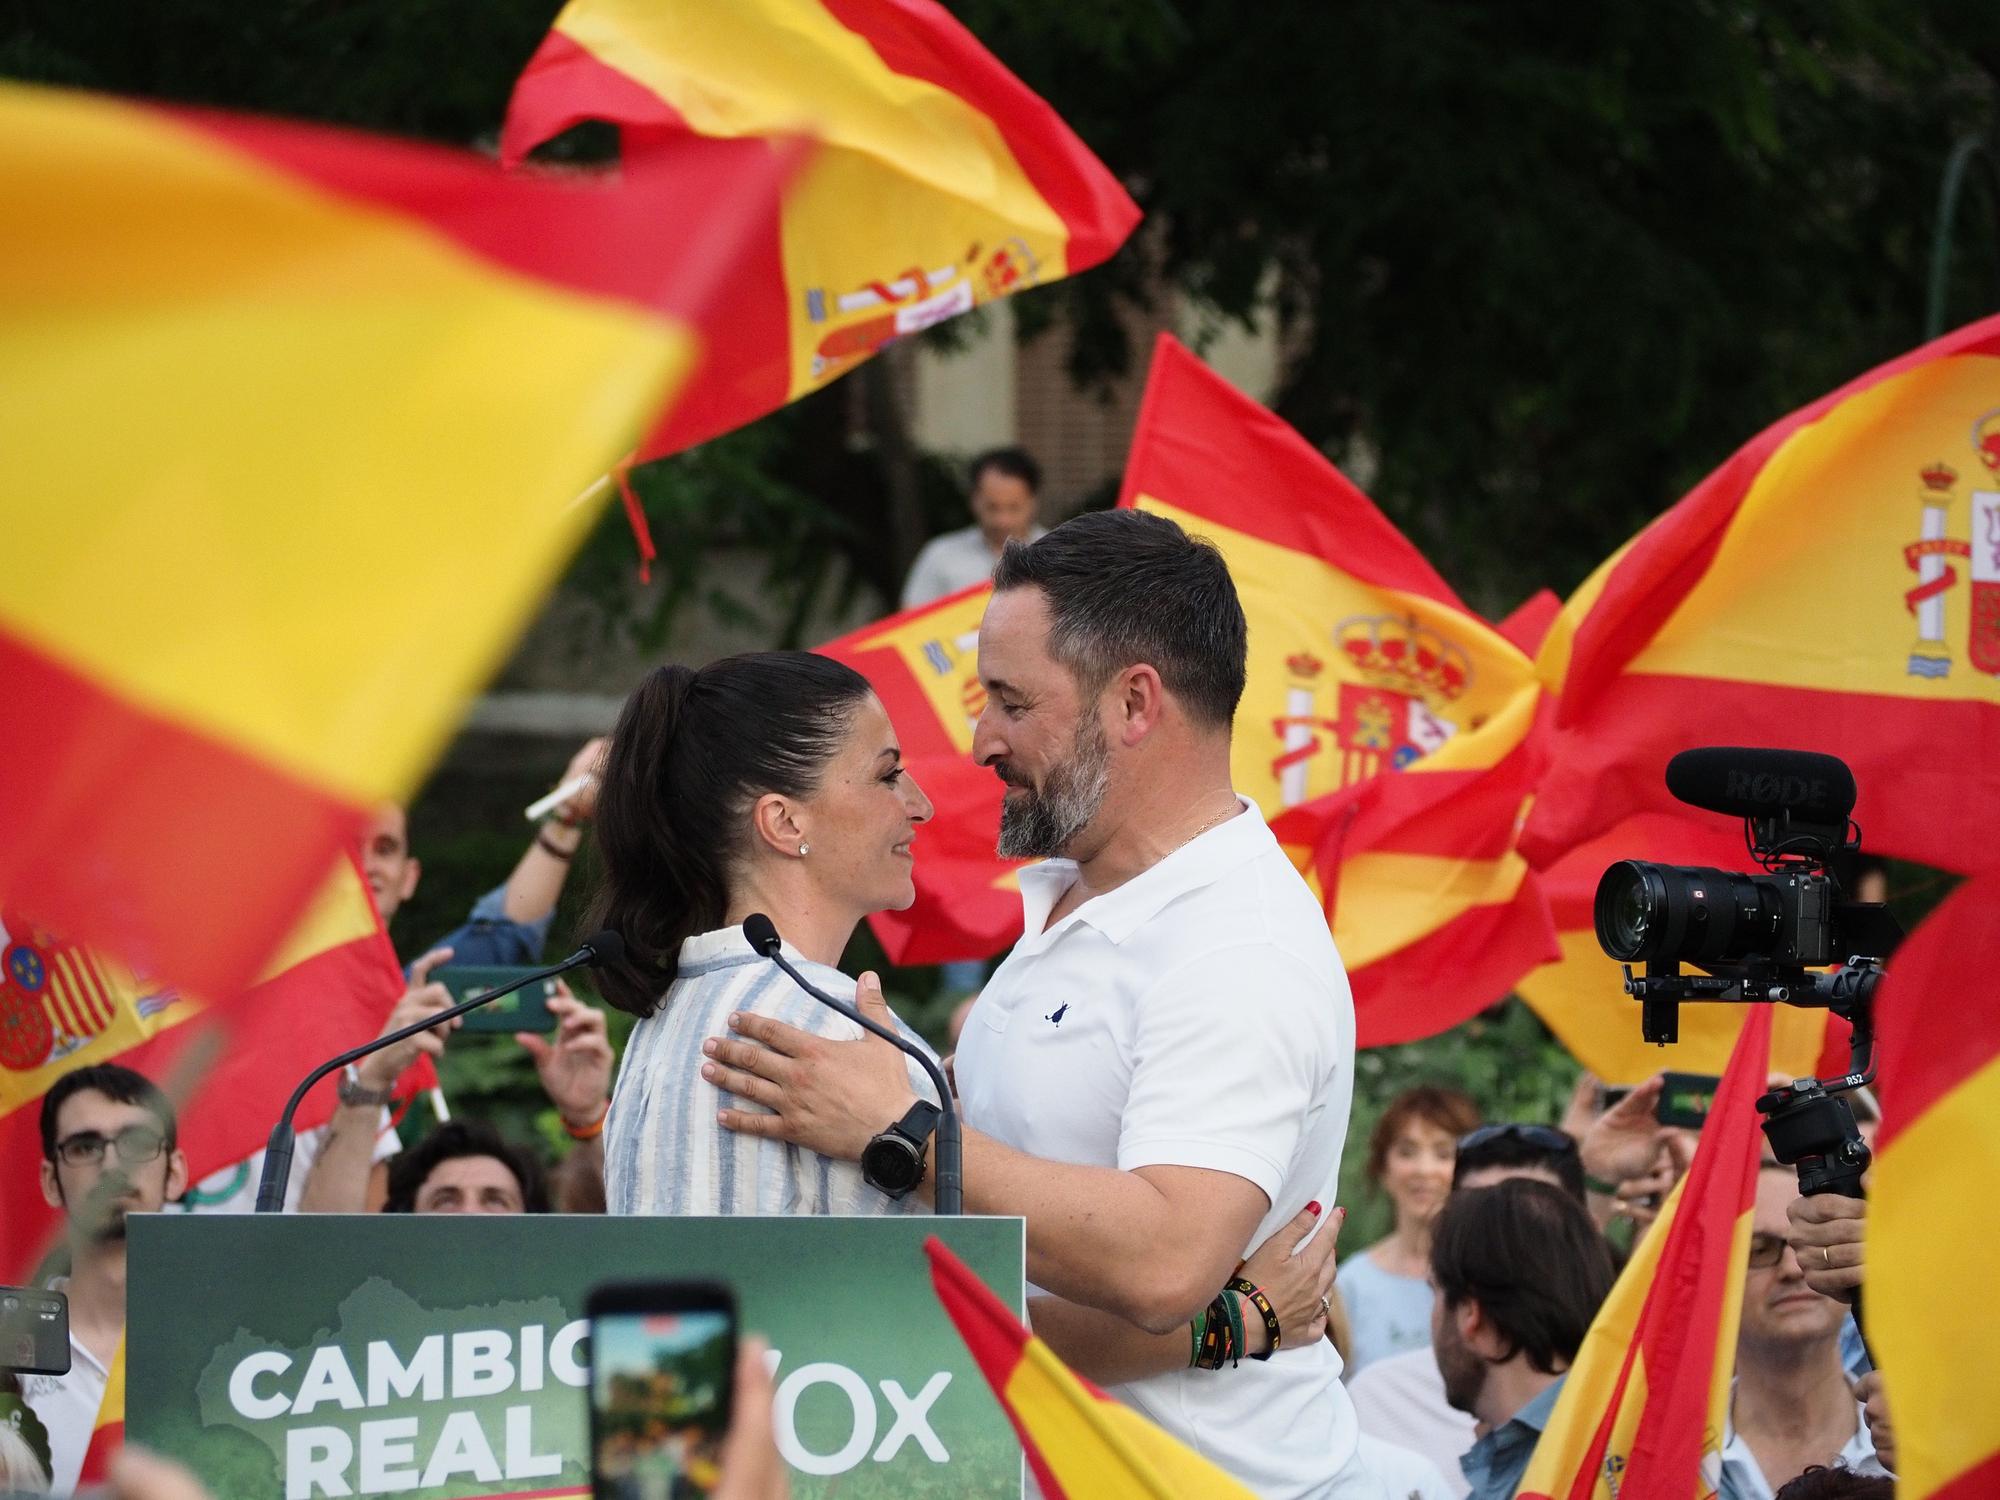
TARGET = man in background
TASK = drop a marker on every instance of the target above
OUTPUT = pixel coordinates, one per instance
(1005, 503)
(1792, 1406)
(1520, 1271)
(109, 1150)
(1401, 1399)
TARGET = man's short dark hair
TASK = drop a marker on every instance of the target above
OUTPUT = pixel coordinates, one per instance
(1836, 1483)
(1126, 587)
(1530, 1256)
(121, 1085)
(410, 1170)
(1015, 463)
(1508, 1146)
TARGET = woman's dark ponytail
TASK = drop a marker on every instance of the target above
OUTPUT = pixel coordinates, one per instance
(692, 751)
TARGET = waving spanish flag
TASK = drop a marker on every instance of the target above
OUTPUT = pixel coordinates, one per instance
(1581, 997)
(1080, 1443)
(942, 183)
(1834, 586)
(1929, 1234)
(1641, 1411)
(64, 1007)
(298, 426)
(1389, 734)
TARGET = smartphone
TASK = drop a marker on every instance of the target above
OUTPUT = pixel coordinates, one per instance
(662, 1365)
(1686, 1099)
(524, 1010)
(34, 1331)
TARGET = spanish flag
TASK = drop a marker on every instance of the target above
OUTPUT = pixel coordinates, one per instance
(299, 426)
(1834, 586)
(943, 182)
(107, 1436)
(64, 1006)
(1930, 1231)
(1390, 736)
(1080, 1443)
(1581, 997)
(1641, 1411)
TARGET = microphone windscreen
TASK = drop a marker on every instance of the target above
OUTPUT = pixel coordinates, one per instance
(762, 934)
(1762, 783)
(606, 947)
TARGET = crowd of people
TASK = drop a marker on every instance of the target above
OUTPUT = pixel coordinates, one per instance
(1157, 1078)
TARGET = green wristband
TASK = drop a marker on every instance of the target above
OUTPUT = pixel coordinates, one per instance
(1599, 1186)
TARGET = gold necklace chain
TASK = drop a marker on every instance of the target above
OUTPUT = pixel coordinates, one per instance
(1215, 822)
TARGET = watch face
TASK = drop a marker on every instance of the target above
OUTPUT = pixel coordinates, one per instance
(891, 1164)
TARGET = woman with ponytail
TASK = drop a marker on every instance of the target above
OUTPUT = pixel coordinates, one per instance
(770, 782)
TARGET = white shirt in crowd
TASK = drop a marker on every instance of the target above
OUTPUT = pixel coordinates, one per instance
(1401, 1400)
(67, 1406)
(233, 1190)
(1742, 1479)
(1195, 1016)
(1404, 1473)
(957, 560)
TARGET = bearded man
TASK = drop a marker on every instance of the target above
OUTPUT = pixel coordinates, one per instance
(1158, 1077)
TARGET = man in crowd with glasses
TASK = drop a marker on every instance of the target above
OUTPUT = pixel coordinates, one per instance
(108, 1151)
(1792, 1406)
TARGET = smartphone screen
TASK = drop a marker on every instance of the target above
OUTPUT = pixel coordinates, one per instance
(663, 1360)
(524, 1010)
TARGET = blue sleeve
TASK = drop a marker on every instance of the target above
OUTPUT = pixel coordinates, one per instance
(490, 938)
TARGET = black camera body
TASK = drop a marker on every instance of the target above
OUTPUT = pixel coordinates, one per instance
(1765, 938)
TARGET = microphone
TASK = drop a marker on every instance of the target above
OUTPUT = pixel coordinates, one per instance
(1764, 783)
(605, 947)
(762, 934)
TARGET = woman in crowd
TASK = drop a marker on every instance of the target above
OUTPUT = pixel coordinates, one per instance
(1387, 1287)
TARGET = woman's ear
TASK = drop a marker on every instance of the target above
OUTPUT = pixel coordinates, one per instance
(778, 826)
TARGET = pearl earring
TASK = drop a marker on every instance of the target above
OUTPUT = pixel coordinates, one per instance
(804, 850)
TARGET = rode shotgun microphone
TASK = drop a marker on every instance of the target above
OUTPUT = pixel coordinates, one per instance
(605, 947)
(1764, 784)
(762, 935)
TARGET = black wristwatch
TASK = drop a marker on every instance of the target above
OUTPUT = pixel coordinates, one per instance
(893, 1162)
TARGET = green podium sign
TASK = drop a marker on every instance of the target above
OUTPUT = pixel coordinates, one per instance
(446, 1355)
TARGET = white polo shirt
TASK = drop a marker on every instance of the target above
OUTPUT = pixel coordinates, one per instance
(1196, 1016)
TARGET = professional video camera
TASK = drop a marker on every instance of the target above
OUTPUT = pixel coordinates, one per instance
(1760, 938)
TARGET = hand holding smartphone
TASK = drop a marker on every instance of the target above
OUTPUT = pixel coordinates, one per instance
(663, 1365)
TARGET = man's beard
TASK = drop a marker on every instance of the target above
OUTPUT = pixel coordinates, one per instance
(1464, 1372)
(1037, 822)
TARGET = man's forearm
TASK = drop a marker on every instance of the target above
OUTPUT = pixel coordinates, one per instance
(1102, 1346)
(537, 882)
(338, 1181)
(1096, 1235)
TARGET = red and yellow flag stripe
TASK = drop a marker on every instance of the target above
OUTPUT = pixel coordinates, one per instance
(1641, 1411)
(942, 183)
(295, 421)
(1930, 1231)
(1834, 586)
(1079, 1442)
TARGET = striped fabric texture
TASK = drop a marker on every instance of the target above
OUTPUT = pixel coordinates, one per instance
(664, 1153)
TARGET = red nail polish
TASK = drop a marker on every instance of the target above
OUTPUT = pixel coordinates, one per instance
(1313, 1208)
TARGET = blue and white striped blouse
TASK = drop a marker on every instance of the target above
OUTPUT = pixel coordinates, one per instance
(664, 1153)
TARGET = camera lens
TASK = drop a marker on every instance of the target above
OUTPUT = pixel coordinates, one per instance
(1685, 913)
(1630, 911)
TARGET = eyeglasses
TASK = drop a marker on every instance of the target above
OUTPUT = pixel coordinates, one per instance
(135, 1144)
(1541, 1137)
(1766, 1250)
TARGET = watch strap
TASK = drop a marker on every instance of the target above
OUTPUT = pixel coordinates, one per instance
(916, 1125)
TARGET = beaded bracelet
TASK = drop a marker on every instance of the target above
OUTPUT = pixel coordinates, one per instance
(1262, 1303)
